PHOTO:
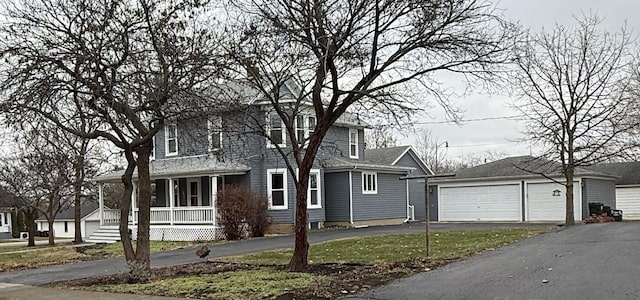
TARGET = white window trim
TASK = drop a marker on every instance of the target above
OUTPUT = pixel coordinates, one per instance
(166, 139)
(153, 150)
(210, 130)
(283, 132)
(284, 187)
(319, 205)
(306, 128)
(356, 143)
(375, 182)
(317, 172)
(199, 184)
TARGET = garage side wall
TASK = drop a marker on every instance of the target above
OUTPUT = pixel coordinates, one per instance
(598, 190)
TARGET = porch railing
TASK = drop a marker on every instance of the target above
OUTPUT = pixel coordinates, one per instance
(178, 215)
(111, 216)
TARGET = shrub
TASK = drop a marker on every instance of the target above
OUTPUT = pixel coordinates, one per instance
(238, 205)
(257, 214)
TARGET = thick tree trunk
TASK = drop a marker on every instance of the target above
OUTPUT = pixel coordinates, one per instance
(144, 207)
(30, 216)
(125, 206)
(570, 219)
(77, 193)
(52, 240)
(299, 259)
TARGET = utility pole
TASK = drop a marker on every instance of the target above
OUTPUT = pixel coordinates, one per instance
(426, 202)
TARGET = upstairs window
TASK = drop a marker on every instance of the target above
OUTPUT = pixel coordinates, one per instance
(153, 150)
(171, 139)
(369, 183)
(214, 126)
(276, 131)
(305, 126)
(353, 143)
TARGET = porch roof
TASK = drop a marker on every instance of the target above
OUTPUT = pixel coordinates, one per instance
(183, 167)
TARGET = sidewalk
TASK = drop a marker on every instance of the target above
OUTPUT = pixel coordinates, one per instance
(26, 292)
(60, 241)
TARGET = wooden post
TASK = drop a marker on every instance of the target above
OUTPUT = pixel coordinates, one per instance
(426, 208)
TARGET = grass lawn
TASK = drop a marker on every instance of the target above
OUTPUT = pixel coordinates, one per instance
(393, 248)
(269, 281)
(22, 257)
(244, 284)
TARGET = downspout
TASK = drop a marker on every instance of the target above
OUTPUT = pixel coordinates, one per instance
(408, 213)
(350, 197)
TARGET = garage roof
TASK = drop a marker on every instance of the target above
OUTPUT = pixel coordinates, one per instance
(628, 173)
(517, 167)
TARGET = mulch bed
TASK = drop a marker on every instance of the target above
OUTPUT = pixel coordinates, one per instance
(342, 279)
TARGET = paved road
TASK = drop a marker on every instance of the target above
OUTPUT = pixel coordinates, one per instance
(184, 256)
(598, 261)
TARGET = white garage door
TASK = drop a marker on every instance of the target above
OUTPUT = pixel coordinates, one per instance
(545, 205)
(480, 203)
(628, 200)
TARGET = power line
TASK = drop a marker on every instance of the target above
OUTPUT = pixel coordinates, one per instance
(514, 117)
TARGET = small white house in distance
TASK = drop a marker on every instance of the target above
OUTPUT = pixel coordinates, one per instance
(64, 224)
(514, 190)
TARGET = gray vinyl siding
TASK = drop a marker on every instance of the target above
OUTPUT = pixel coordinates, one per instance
(416, 187)
(597, 190)
(337, 196)
(390, 201)
(433, 203)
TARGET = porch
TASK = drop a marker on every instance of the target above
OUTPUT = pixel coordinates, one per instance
(183, 203)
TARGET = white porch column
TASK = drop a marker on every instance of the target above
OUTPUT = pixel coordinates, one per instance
(214, 196)
(172, 197)
(134, 199)
(101, 202)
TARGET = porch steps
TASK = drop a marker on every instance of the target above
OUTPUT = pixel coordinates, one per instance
(106, 234)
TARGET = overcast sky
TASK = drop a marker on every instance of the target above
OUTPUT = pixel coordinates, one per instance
(477, 137)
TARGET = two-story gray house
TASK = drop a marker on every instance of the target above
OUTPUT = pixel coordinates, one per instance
(349, 185)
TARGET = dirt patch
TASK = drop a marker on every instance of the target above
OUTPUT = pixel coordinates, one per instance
(342, 279)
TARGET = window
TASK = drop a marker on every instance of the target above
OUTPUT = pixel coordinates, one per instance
(276, 131)
(305, 126)
(353, 143)
(313, 194)
(66, 226)
(153, 150)
(300, 130)
(369, 183)
(171, 139)
(214, 125)
(193, 185)
(6, 219)
(277, 188)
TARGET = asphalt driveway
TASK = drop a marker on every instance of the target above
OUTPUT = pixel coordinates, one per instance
(184, 256)
(597, 261)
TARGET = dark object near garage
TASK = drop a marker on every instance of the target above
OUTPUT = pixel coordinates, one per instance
(596, 208)
(42, 233)
(616, 214)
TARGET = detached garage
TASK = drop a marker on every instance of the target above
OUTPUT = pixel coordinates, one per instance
(511, 190)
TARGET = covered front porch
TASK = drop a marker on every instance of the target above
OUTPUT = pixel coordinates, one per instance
(183, 203)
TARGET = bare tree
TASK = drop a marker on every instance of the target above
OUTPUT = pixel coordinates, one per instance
(573, 85)
(432, 150)
(356, 56)
(129, 65)
(380, 136)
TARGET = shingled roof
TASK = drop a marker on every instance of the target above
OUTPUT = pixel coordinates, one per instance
(385, 156)
(628, 173)
(517, 167)
(69, 214)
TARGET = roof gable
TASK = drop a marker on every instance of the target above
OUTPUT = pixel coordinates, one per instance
(392, 155)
